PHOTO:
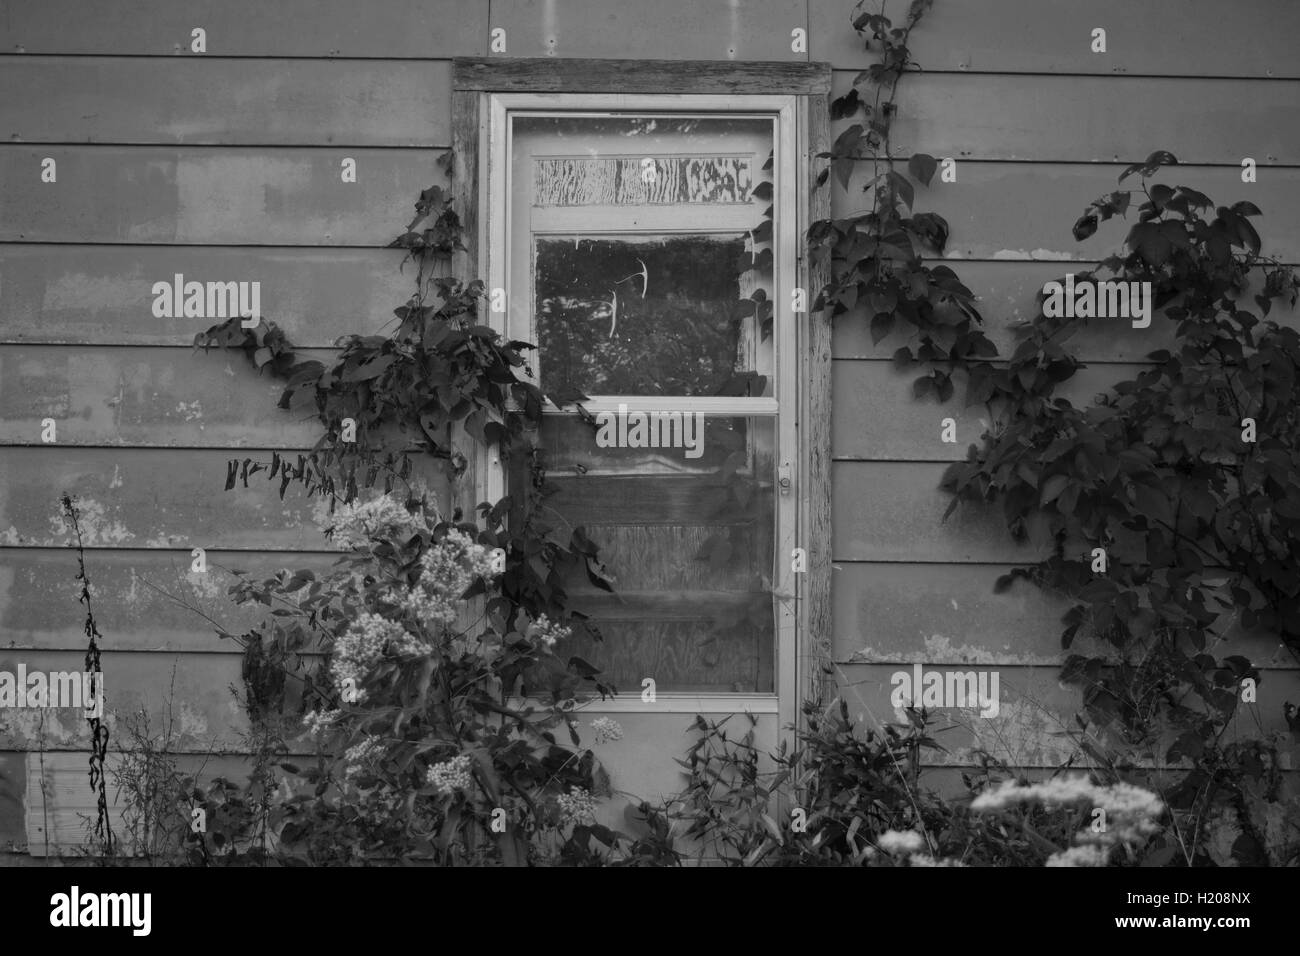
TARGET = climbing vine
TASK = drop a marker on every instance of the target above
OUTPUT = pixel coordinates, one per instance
(103, 829)
(386, 402)
(1171, 506)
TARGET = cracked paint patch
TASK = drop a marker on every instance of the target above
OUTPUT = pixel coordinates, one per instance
(24, 728)
(205, 585)
(192, 722)
(45, 726)
(938, 649)
(1040, 255)
(97, 528)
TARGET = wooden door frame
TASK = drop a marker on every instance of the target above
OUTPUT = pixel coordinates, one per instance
(801, 672)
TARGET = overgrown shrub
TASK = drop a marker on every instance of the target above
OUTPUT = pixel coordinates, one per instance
(421, 755)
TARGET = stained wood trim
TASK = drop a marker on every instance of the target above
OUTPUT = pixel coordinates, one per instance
(573, 75)
(466, 139)
(815, 422)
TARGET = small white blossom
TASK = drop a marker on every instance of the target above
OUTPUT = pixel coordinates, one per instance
(356, 525)
(1087, 855)
(577, 806)
(606, 730)
(547, 632)
(364, 642)
(451, 775)
(447, 569)
(924, 859)
(317, 722)
(901, 841)
(360, 754)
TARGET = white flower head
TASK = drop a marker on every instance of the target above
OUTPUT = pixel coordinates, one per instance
(365, 641)
(1087, 855)
(451, 775)
(317, 722)
(361, 754)
(898, 842)
(358, 524)
(577, 806)
(447, 569)
(1130, 813)
(606, 730)
(545, 631)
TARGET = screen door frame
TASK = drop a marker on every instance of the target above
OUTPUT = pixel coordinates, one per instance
(796, 94)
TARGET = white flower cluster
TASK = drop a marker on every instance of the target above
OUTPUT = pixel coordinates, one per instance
(361, 753)
(547, 632)
(924, 859)
(909, 845)
(1088, 854)
(577, 806)
(451, 775)
(606, 730)
(898, 842)
(1124, 803)
(363, 643)
(317, 722)
(1130, 813)
(356, 525)
(447, 569)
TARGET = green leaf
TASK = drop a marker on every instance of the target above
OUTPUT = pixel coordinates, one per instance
(1150, 243)
(843, 170)
(903, 188)
(366, 371)
(922, 167)
(882, 323)
(1084, 227)
(845, 106)
(1052, 488)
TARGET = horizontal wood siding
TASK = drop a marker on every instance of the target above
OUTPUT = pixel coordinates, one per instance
(145, 598)
(145, 397)
(1018, 211)
(1093, 118)
(227, 166)
(392, 29)
(215, 101)
(1183, 38)
(81, 294)
(201, 196)
(663, 30)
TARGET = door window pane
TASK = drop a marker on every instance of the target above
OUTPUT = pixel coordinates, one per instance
(639, 315)
(641, 265)
(687, 535)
